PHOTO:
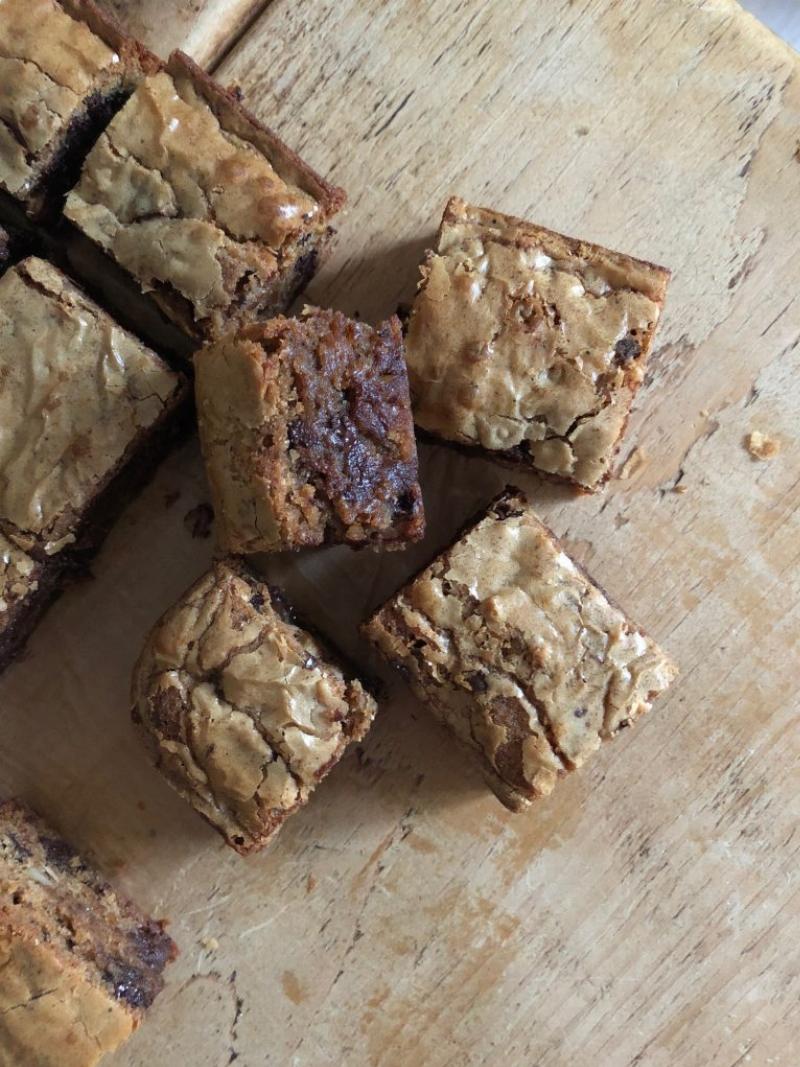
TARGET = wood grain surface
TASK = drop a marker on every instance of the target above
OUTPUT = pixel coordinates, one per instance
(647, 914)
(204, 29)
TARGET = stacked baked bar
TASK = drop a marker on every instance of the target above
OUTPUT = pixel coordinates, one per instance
(202, 205)
(64, 69)
(217, 235)
(86, 411)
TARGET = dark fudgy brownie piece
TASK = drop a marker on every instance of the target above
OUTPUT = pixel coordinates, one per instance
(85, 413)
(64, 69)
(530, 345)
(514, 647)
(307, 434)
(79, 964)
(243, 711)
(205, 207)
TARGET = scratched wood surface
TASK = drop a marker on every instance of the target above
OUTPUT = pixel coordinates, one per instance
(203, 28)
(647, 913)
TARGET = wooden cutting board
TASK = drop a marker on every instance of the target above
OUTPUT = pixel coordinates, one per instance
(647, 913)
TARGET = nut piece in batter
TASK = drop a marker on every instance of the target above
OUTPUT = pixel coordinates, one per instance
(207, 209)
(308, 436)
(513, 646)
(64, 69)
(243, 711)
(762, 445)
(79, 964)
(530, 345)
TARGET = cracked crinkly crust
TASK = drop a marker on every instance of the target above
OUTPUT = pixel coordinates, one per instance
(308, 436)
(529, 344)
(77, 393)
(186, 204)
(49, 64)
(514, 648)
(243, 711)
(79, 964)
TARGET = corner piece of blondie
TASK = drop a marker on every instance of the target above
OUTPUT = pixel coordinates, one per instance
(514, 648)
(207, 209)
(530, 345)
(308, 436)
(79, 964)
(243, 711)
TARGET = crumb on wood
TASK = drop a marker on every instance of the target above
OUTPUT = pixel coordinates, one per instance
(210, 944)
(680, 488)
(704, 413)
(761, 445)
(637, 458)
(311, 883)
(198, 520)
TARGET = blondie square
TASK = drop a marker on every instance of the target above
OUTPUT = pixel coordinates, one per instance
(308, 436)
(530, 345)
(206, 208)
(79, 964)
(512, 646)
(64, 69)
(242, 710)
(86, 411)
